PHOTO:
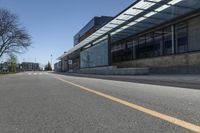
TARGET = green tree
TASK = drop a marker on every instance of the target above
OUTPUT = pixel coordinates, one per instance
(48, 67)
(12, 63)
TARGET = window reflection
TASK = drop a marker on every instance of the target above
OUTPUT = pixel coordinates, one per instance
(152, 44)
(167, 45)
(181, 37)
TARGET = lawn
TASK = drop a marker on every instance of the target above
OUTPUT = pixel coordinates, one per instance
(6, 73)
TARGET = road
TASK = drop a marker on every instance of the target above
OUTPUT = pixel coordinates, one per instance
(40, 102)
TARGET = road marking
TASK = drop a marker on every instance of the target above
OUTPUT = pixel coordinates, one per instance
(35, 73)
(156, 114)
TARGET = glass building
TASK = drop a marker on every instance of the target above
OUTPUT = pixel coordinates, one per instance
(91, 27)
(162, 35)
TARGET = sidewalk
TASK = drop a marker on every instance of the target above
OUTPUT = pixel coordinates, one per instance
(185, 81)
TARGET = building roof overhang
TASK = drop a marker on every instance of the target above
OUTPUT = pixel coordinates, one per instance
(62, 56)
(140, 16)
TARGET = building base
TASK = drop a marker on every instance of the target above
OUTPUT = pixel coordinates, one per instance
(115, 71)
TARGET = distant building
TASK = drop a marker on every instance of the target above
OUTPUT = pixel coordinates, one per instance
(4, 67)
(30, 66)
(18, 67)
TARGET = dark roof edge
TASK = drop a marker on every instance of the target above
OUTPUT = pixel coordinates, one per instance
(135, 2)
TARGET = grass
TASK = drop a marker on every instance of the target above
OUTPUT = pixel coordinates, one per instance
(6, 73)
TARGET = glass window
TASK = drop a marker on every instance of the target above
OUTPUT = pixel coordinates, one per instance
(130, 44)
(158, 42)
(167, 44)
(152, 44)
(150, 47)
(149, 38)
(96, 55)
(114, 52)
(142, 41)
(129, 50)
(135, 45)
(181, 37)
(122, 52)
(145, 48)
(113, 48)
(193, 34)
(140, 47)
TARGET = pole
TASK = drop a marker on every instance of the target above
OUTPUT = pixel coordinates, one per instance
(51, 62)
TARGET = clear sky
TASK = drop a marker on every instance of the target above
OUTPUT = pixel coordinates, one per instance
(53, 23)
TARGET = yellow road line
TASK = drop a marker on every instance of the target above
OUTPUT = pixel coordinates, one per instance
(170, 119)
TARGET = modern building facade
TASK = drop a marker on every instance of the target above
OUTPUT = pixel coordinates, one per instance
(62, 65)
(57, 67)
(90, 28)
(162, 35)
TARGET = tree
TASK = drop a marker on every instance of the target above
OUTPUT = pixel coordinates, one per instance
(48, 67)
(13, 37)
(12, 63)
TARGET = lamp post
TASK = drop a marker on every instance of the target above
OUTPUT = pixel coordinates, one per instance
(51, 62)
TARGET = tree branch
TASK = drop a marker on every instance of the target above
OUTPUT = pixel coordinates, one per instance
(13, 37)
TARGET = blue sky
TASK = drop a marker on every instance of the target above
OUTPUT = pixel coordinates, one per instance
(53, 23)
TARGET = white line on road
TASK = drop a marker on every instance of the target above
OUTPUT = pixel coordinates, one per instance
(35, 73)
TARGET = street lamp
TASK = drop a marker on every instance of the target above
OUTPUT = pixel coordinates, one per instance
(51, 61)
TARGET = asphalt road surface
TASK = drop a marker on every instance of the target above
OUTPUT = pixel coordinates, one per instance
(39, 102)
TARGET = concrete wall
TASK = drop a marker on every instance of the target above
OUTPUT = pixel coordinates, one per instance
(111, 70)
(182, 63)
(164, 61)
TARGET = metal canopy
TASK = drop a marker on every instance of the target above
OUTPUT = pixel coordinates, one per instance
(142, 13)
(62, 56)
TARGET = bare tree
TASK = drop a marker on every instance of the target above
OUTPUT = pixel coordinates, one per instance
(13, 37)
